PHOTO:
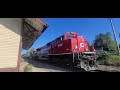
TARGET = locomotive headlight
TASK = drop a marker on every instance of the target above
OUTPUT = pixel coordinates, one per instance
(76, 47)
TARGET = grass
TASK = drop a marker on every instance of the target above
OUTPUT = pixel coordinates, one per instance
(114, 60)
(25, 67)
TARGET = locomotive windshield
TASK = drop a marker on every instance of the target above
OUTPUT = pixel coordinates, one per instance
(69, 36)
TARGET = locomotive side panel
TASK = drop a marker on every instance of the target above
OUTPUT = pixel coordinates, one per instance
(74, 45)
(67, 46)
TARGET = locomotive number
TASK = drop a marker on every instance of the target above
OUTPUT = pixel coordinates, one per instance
(59, 45)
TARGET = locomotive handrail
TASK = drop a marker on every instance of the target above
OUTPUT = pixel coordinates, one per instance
(73, 57)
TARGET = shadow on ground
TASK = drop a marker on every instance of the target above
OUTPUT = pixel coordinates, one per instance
(51, 66)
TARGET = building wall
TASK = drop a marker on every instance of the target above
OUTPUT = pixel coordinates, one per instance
(10, 41)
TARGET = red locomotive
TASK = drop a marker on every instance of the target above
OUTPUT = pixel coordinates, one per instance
(70, 48)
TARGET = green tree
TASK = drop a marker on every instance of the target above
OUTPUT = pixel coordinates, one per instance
(113, 45)
(23, 55)
(119, 37)
(99, 41)
(28, 53)
(105, 42)
(32, 49)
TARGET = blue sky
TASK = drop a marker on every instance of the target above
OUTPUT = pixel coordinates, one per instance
(87, 27)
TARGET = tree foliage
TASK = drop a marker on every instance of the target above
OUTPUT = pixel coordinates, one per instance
(108, 45)
(99, 41)
(105, 42)
(32, 49)
(27, 54)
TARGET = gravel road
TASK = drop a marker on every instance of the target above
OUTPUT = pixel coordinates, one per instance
(109, 68)
(44, 66)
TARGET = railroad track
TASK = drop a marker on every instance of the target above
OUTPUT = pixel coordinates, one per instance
(70, 69)
(73, 69)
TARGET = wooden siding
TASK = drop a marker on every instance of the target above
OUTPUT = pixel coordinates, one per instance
(10, 33)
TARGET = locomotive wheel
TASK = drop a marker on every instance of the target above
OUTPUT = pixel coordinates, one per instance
(82, 69)
(71, 65)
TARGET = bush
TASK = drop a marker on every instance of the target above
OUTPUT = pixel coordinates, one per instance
(114, 60)
(108, 58)
(27, 68)
(103, 56)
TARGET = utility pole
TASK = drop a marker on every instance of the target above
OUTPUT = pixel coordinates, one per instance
(113, 29)
(119, 35)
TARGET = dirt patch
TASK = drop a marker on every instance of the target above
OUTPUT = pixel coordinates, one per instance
(22, 65)
(109, 68)
(45, 66)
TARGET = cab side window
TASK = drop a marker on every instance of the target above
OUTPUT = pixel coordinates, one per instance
(69, 36)
(60, 39)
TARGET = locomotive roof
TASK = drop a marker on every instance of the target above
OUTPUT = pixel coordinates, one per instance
(54, 40)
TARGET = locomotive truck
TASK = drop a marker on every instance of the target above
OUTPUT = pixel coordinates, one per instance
(70, 49)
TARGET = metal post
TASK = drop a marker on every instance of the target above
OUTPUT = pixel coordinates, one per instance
(73, 57)
(113, 28)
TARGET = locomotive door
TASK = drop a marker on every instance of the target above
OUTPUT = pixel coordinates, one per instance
(60, 45)
(81, 44)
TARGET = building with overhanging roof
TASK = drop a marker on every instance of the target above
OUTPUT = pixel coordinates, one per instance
(15, 34)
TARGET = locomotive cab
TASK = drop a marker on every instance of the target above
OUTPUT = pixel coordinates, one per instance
(70, 42)
(70, 35)
(83, 53)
